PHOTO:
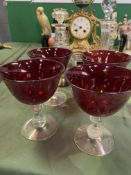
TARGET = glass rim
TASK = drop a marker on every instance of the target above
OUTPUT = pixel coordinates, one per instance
(44, 79)
(93, 91)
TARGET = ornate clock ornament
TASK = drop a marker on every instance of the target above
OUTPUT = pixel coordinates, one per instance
(82, 25)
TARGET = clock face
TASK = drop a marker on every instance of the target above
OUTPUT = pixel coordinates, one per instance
(80, 27)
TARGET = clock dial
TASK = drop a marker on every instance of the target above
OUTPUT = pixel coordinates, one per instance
(80, 27)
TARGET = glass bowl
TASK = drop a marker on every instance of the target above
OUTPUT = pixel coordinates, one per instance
(100, 90)
(106, 57)
(62, 55)
(33, 82)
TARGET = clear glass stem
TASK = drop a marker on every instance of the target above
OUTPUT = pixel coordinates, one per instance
(63, 81)
(38, 120)
(94, 130)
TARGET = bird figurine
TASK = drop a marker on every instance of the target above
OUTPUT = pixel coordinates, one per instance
(45, 25)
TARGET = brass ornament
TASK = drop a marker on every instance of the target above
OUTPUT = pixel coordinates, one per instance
(82, 44)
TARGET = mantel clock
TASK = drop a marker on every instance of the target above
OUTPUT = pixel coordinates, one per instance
(82, 26)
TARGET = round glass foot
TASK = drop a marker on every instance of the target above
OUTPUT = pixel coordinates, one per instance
(96, 147)
(42, 133)
(57, 99)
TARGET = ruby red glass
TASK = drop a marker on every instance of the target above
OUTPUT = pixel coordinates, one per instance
(59, 54)
(106, 56)
(33, 82)
(100, 90)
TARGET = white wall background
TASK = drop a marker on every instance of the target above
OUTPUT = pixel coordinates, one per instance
(69, 1)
